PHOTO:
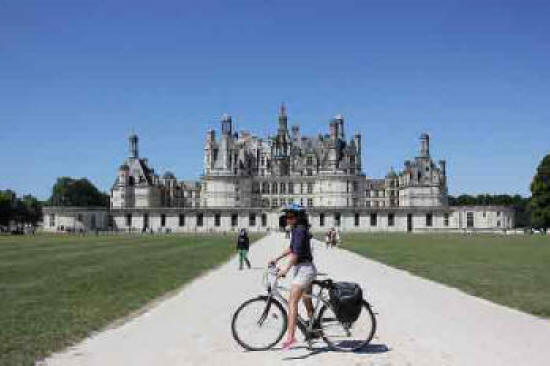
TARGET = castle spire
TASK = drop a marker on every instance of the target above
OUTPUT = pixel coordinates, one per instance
(282, 119)
(282, 110)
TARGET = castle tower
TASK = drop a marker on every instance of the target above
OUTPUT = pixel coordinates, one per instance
(133, 146)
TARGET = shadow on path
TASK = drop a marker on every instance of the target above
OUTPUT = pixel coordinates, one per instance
(369, 349)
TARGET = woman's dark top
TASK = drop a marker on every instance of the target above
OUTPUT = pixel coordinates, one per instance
(300, 244)
(243, 242)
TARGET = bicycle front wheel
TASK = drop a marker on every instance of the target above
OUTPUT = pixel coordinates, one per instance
(256, 329)
(347, 336)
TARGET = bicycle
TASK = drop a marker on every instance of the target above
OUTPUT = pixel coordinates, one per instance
(265, 316)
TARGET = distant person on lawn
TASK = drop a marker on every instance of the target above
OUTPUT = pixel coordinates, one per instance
(243, 244)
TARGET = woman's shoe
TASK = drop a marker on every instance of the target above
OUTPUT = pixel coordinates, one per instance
(288, 344)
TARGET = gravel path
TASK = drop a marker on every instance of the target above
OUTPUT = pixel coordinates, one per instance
(419, 323)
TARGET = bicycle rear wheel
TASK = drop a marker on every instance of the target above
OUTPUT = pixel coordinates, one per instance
(254, 328)
(345, 336)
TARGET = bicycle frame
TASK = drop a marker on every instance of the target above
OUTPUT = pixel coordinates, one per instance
(273, 291)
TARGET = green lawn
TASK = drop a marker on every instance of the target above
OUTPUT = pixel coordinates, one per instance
(510, 270)
(55, 290)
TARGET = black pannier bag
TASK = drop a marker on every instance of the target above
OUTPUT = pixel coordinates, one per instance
(346, 299)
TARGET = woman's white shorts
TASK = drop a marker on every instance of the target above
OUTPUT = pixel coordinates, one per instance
(303, 274)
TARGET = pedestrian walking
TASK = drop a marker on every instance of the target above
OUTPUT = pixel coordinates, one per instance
(243, 244)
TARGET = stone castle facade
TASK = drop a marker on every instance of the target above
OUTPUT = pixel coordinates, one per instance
(247, 179)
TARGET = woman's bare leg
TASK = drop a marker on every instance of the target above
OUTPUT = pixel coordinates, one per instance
(295, 295)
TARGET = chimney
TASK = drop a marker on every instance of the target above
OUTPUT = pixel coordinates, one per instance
(424, 145)
(133, 146)
(340, 121)
(443, 167)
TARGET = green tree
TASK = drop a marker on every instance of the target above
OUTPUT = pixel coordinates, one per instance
(76, 192)
(21, 210)
(32, 209)
(6, 207)
(540, 195)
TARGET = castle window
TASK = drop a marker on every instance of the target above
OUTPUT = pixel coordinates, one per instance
(309, 172)
(264, 220)
(217, 219)
(265, 187)
(255, 187)
(163, 220)
(446, 219)
(337, 219)
(274, 188)
(469, 219)
(200, 219)
(309, 160)
(355, 186)
(429, 219)
(129, 220)
(321, 219)
(391, 219)
(145, 220)
(373, 219)
(291, 188)
(498, 223)
(79, 217)
(498, 213)
(52, 220)
(274, 203)
(310, 188)
(234, 219)
(310, 202)
(252, 219)
(282, 190)
(182, 220)
(356, 219)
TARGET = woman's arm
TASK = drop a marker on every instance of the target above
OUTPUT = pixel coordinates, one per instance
(293, 259)
(286, 252)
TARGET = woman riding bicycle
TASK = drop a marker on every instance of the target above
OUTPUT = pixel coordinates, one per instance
(301, 262)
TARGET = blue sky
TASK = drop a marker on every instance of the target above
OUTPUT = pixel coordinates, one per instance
(77, 76)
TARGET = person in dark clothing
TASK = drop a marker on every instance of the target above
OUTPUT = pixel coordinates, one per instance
(301, 262)
(243, 244)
